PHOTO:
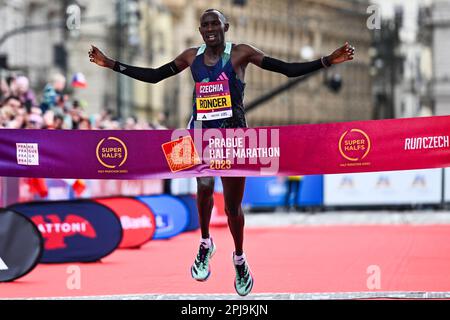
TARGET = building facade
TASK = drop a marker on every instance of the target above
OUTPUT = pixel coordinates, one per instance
(281, 28)
(440, 24)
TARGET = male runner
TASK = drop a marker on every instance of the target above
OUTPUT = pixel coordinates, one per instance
(218, 60)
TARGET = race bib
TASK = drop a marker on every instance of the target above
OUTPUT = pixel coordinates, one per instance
(213, 100)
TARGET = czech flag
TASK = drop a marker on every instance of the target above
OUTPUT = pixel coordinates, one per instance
(79, 81)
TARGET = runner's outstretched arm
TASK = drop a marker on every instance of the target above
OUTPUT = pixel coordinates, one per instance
(296, 69)
(143, 74)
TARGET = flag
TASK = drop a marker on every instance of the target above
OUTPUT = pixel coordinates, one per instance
(79, 81)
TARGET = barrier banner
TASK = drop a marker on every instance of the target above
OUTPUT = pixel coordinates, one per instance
(21, 245)
(360, 146)
(137, 219)
(171, 215)
(191, 203)
(311, 191)
(384, 188)
(267, 192)
(73, 231)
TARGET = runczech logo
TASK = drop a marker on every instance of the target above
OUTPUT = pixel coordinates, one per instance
(354, 145)
(111, 152)
(181, 154)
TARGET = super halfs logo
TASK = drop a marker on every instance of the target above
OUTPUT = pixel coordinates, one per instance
(55, 231)
(112, 153)
(181, 154)
(354, 146)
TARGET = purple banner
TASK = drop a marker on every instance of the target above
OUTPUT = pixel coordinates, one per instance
(362, 146)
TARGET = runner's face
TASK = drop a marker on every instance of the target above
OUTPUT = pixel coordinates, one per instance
(212, 29)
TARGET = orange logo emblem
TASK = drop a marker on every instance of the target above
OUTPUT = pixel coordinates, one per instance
(181, 154)
(354, 145)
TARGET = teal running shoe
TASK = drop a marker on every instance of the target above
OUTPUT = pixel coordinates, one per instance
(200, 270)
(243, 283)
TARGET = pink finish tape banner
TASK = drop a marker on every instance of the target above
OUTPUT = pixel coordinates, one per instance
(361, 146)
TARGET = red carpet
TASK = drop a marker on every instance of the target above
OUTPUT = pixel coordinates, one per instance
(283, 260)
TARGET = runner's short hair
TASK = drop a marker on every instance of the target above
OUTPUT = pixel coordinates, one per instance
(221, 14)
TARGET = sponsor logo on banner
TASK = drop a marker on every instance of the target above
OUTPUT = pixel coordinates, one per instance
(383, 182)
(171, 215)
(112, 154)
(346, 183)
(27, 154)
(181, 154)
(354, 146)
(419, 182)
(129, 223)
(55, 231)
(137, 220)
(422, 143)
(162, 221)
(3, 265)
(276, 188)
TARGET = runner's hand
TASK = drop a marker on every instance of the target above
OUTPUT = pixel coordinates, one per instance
(99, 58)
(342, 54)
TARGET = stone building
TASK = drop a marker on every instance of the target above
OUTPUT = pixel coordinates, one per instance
(292, 30)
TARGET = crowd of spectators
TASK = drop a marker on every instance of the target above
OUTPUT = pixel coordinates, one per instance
(21, 108)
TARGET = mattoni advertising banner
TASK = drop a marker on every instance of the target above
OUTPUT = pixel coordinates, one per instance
(74, 231)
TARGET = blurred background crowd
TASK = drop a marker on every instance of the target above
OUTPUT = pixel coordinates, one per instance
(20, 108)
